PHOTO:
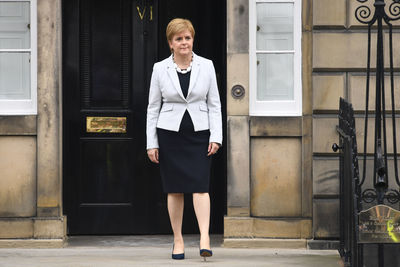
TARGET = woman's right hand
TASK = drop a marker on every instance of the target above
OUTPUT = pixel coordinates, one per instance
(153, 154)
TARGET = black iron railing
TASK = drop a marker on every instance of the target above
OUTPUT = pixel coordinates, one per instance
(350, 188)
(379, 17)
(353, 192)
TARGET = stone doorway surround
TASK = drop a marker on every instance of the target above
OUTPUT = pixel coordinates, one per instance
(31, 195)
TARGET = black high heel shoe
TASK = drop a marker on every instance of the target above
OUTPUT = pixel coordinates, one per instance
(205, 253)
(179, 256)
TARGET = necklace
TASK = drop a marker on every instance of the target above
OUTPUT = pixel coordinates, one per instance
(183, 71)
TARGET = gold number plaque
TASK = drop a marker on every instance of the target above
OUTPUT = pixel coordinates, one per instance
(106, 124)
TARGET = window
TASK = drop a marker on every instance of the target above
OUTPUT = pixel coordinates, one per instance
(275, 57)
(18, 57)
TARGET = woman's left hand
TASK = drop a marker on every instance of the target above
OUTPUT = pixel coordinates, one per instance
(212, 148)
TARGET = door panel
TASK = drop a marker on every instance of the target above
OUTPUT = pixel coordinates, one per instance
(106, 54)
(107, 173)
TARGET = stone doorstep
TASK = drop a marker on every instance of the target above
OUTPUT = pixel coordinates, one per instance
(265, 243)
(32, 243)
(227, 243)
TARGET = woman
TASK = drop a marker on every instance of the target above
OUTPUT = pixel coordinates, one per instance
(184, 128)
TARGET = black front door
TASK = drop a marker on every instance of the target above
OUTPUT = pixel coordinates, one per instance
(110, 187)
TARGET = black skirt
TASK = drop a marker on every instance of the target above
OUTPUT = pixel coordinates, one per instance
(184, 164)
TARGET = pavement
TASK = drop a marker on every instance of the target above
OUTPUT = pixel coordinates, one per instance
(124, 251)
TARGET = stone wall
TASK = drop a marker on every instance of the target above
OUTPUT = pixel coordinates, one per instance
(339, 64)
(30, 149)
(269, 158)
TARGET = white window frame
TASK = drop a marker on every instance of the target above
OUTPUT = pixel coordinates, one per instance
(275, 107)
(25, 106)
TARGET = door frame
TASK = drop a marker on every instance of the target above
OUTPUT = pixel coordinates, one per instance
(223, 95)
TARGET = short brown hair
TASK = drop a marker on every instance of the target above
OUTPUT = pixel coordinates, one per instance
(178, 25)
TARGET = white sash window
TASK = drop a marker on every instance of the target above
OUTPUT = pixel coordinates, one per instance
(275, 57)
(18, 57)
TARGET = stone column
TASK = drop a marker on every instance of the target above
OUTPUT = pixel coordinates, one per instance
(50, 222)
(238, 140)
(238, 110)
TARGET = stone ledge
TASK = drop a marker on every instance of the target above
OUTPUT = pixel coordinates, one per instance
(267, 228)
(276, 126)
(32, 243)
(18, 125)
(323, 244)
(16, 228)
(52, 228)
(35, 228)
(264, 243)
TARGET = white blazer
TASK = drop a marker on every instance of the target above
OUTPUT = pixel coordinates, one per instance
(167, 105)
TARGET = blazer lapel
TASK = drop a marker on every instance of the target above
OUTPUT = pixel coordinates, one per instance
(174, 77)
(194, 73)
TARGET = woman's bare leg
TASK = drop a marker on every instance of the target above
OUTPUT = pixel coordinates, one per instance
(175, 209)
(201, 204)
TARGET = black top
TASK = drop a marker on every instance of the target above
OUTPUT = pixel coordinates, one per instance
(184, 80)
(186, 123)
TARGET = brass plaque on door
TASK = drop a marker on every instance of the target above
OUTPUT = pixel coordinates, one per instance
(106, 124)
